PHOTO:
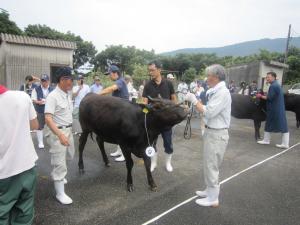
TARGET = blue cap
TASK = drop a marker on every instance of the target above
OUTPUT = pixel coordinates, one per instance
(80, 77)
(112, 69)
(65, 72)
(45, 77)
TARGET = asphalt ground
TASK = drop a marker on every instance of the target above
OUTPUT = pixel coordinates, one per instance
(268, 193)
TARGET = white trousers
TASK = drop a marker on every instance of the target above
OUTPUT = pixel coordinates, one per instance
(214, 146)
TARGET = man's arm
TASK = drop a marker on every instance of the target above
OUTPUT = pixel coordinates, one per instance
(50, 123)
(109, 90)
(174, 98)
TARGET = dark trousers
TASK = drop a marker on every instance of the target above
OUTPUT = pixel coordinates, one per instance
(167, 139)
(17, 198)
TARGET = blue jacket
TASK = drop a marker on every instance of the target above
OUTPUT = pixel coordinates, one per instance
(276, 118)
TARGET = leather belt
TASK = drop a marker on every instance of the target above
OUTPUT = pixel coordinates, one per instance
(215, 128)
(63, 127)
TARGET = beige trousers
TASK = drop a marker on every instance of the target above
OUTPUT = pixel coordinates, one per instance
(214, 146)
(60, 153)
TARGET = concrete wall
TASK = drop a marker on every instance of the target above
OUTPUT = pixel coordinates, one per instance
(23, 60)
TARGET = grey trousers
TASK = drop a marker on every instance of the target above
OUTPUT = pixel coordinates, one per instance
(214, 146)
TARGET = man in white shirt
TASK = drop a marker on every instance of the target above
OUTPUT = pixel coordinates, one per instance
(79, 92)
(182, 90)
(38, 96)
(97, 86)
(17, 157)
(58, 117)
(217, 114)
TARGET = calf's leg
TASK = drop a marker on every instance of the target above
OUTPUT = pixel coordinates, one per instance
(82, 142)
(257, 128)
(151, 182)
(102, 149)
(129, 165)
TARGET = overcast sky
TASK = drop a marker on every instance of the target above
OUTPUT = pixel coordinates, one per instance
(160, 24)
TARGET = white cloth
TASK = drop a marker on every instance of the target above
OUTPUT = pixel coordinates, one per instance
(217, 112)
(193, 86)
(131, 91)
(82, 93)
(17, 153)
(59, 104)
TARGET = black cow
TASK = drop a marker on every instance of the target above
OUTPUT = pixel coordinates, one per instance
(120, 122)
(292, 103)
(246, 107)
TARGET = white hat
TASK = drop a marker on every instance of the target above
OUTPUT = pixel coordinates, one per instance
(170, 76)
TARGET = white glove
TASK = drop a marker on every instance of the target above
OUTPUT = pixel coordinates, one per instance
(190, 97)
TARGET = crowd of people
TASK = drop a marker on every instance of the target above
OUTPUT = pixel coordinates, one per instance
(58, 108)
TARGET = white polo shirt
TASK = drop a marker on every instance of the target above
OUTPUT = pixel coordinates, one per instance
(17, 153)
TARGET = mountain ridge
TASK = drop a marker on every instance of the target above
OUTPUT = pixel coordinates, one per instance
(241, 49)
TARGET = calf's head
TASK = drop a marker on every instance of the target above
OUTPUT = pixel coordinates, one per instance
(166, 113)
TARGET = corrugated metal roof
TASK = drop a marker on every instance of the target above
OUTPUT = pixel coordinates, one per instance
(18, 39)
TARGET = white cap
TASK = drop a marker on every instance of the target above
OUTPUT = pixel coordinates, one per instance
(170, 76)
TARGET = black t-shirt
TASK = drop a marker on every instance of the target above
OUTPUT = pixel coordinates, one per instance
(164, 90)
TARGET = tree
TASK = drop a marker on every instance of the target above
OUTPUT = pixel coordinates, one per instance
(125, 57)
(140, 73)
(189, 75)
(85, 51)
(7, 26)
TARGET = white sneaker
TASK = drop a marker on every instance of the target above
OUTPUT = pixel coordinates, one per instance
(208, 203)
(263, 142)
(202, 194)
(120, 159)
(282, 146)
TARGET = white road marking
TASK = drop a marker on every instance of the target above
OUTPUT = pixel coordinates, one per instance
(222, 182)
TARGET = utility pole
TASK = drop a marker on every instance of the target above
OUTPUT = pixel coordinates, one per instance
(287, 43)
(286, 52)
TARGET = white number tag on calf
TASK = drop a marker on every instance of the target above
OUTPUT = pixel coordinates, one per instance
(150, 151)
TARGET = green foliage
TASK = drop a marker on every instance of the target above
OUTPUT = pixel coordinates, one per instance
(125, 57)
(7, 26)
(85, 51)
(189, 75)
(293, 60)
(105, 80)
(140, 73)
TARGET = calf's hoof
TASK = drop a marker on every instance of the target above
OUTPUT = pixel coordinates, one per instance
(153, 188)
(130, 187)
(81, 171)
(107, 164)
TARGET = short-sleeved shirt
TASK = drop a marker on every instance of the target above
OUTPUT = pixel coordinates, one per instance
(82, 93)
(17, 153)
(96, 88)
(59, 104)
(122, 91)
(164, 90)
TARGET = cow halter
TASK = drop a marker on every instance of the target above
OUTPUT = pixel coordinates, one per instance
(150, 150)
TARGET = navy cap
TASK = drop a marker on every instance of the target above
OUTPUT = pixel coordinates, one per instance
(65, 72)
(112, 69)
(80, 77)
(45, 77)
